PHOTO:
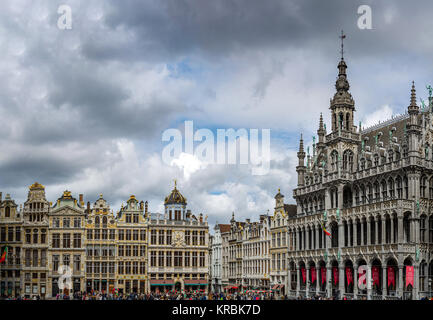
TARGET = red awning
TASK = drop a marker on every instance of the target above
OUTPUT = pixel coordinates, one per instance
(275, 287)
(234, 287)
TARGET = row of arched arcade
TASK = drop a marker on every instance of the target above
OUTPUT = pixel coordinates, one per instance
(361, 279)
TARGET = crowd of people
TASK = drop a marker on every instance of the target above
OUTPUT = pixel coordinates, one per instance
(174, 295)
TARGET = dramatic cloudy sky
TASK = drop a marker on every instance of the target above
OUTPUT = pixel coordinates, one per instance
(84, 109)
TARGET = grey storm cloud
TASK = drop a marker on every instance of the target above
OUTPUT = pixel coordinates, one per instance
(219, 28)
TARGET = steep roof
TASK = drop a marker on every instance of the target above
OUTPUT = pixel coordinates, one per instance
(224, 227)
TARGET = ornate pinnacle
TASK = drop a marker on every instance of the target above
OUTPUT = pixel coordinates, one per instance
(321, 127)
(413, 95)
(301, 144)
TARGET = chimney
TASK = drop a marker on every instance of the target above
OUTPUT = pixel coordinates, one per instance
(146, 207)
(88, 206)
(81, 200)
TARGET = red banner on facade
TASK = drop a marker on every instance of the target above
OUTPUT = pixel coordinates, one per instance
(303, 274)
(409, 275)
(349, 275)
(375, 275)
(335, 272)
(313, 274)
(323, 271)
(391, 276)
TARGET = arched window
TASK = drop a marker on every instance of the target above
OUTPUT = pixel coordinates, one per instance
(430, 186)
(422, 228)
(348, 160)
(384, 191)
(423, 186)
(406, 188)
(334, 234)
(97, 222)
(376, 191)
(422, 276)
(370, 192)
(347, 197)
(341, 121)
(387, 229)
(347, 121)
(430, 229)
(399, 188)
(7, 212)
(372, 231)
(406, 227)
(391, 188)
(104, 222)
(356, 195)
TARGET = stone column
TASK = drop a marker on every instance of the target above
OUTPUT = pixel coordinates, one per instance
(329, 281)
(400, 281)
(362, 232)
(392, 230)
(298, 280)
(376, 231)
(307, 281)
(289, 280)
(317, 230)
(340, 196)
(416, 288)
(340, 234)
(317, 279)
(384, 281)
(383, 230)
(327, 200)
(341, 280)
(369, 231)
(369, 282)
(355, 234)
(355, 281)
(400, 230)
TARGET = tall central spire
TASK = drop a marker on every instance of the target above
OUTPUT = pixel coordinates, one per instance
(342, 37)
(342, 104)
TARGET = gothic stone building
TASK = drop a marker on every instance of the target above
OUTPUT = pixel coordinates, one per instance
(372, 189)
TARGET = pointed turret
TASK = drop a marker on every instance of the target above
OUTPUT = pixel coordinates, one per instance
(413, 128)
(342, 104)
(300, 169)
(321, 132)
